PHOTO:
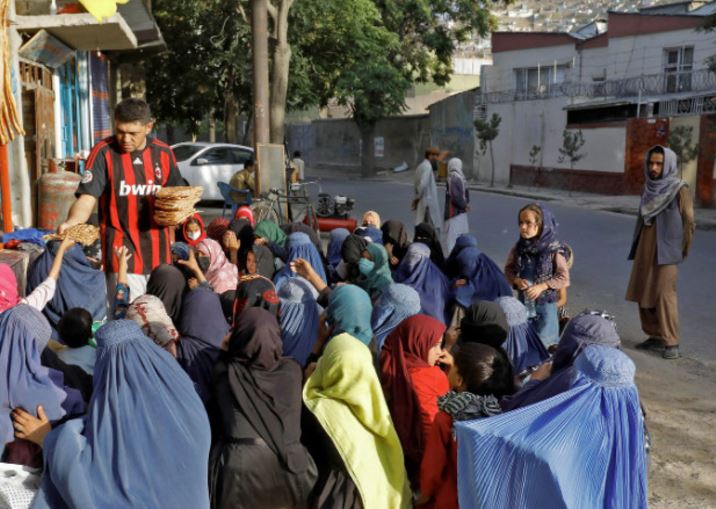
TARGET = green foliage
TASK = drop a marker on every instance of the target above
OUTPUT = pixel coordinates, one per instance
(680, 141)
(207, 59)
(708, 26)
(487, 130)
(534, 154)
(571, 145)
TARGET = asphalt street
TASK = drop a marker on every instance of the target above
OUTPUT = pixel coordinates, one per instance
(600, 241)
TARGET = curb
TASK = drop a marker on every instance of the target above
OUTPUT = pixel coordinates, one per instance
(704, 225)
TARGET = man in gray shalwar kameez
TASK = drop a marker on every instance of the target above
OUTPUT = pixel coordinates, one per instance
(425, 201)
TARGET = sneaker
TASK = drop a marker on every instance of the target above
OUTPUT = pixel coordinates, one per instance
(671, 352)
(651, 343)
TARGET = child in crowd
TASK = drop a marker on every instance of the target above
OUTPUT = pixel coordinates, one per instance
(479, 376)
(537, 269)
(75, 329)
(193, 230)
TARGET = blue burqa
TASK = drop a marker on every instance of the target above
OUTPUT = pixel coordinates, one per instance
(299, 245)
(417, 271)
(24, 382)
(582, 330)
(335, 242)
(79, 286)
(144, 441)
(485, 280)
(396, 303)
(202, 330)
(582, 449)
(523, 345)
(463, 241)
(299, 319)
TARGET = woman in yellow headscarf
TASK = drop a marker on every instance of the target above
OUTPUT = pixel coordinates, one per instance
(352, 437)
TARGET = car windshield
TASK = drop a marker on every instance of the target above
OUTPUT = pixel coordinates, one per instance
(184, 152)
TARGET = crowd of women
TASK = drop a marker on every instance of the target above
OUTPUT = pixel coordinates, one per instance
(259, 371)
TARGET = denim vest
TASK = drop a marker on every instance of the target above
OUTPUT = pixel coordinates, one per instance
(669, 235)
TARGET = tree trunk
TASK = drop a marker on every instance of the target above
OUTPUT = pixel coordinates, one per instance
(248, 129)
(492, 167)
(279, 73)
(367, 156)
(212, 126)
(231, 115)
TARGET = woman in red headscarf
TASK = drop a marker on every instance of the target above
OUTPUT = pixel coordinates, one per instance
(245, 212)
(412, 382)
(193, 230)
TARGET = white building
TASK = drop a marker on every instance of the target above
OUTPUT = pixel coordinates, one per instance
(624, 83)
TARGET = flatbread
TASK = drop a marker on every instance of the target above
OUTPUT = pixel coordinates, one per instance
(85, 234)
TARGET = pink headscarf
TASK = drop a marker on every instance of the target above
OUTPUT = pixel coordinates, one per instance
(245, 212)
(221, 274)
(8, 288)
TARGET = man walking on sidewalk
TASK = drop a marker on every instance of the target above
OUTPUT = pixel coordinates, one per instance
(425, 202)
(664, 230)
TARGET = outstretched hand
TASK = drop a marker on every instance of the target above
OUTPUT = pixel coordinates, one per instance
(29, 427)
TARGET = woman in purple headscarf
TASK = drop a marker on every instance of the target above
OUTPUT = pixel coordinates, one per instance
(417, 271)
(536, 267)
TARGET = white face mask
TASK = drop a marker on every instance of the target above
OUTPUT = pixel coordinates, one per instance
(193, 235)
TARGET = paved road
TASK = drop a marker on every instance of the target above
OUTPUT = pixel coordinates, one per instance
(601, 243)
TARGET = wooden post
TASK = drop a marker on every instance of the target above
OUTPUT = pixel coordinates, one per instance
(5, 191)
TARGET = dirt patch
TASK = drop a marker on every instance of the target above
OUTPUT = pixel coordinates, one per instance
(680, 401)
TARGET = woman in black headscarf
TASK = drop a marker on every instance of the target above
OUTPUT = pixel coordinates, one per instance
(169, 284)
(245, 235)
(428, 235)
(259, 460)
(395, 240)
(253, 291)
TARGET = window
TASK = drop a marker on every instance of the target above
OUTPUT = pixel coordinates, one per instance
(214, 156)
(240, 156)
(678, 64)
(539, 80)
(184, 152)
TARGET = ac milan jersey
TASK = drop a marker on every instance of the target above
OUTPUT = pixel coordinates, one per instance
(125, 184)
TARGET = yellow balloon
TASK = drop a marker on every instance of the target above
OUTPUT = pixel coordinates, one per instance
(102, 9)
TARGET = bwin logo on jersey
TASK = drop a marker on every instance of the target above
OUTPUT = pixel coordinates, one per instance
(147, 189)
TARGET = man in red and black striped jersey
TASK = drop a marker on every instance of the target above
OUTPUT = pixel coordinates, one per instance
(124, 172)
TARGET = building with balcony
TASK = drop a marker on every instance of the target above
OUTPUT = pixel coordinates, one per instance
(626, 83)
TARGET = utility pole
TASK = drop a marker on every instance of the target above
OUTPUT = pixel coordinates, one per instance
(259, 26)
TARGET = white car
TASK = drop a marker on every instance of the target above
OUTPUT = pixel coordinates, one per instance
(205, 164)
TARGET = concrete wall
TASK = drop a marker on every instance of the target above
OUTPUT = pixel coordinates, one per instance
(541, 123)
(452, 128)
(336, 143)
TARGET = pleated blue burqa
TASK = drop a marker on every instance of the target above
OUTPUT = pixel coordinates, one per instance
(144, 442)
(582, 449)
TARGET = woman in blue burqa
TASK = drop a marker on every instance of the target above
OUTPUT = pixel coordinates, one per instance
(144, 441)
(581, 449)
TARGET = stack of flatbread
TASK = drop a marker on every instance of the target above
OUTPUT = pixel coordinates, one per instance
(85, 234)
(173, 205)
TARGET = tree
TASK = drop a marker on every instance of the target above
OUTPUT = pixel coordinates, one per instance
(206, 66)
(680, 141)
(486, 132)
(534, 154)
(708, 26)
(279, 11)
(571, 145)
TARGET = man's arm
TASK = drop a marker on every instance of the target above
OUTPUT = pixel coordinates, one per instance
(80, 212)
(686, 205)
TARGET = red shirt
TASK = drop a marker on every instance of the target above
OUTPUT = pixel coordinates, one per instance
(438, 471)
(125, 185)
(429, 384)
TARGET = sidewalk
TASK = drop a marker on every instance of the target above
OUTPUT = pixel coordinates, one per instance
(621, 204)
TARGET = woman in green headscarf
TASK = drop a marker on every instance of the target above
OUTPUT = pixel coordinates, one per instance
(374, 270)
(269, 233)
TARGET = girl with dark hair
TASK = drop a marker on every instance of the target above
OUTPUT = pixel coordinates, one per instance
(479, 376)
(537, 269)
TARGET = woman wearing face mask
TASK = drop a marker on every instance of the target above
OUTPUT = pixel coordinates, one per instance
(222, 275)
(374, 270)
(193, 230)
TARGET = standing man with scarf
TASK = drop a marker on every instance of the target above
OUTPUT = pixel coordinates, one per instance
(662, 238)
(425, 202)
